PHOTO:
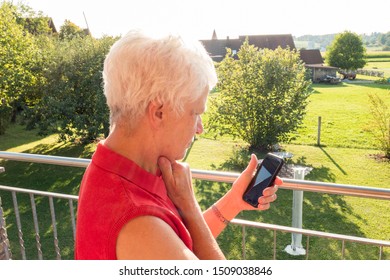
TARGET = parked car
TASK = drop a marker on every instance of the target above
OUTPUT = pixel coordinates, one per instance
(348, 75)
(330, 79)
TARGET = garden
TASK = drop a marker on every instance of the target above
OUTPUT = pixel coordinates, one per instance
(347, 155)
(52, 104)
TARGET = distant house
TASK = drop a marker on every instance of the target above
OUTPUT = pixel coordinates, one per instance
(52, 26)
(313, 60)
(217, 47)
(271, 42)
(33, 23)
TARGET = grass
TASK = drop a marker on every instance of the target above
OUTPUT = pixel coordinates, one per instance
(330, 213)
(379, 61)
(40, 177)
(343, 158)
(384, 66)
(345, 115)
(378, 54)
(346, 157)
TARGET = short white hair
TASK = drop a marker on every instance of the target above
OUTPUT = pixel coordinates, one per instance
(140, 69)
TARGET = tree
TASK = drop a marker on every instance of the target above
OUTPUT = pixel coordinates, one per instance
(262, 95)
(346, 52)
(384, 40)
(69, 31)
(74, 105)
(33, 22)
(19, 76)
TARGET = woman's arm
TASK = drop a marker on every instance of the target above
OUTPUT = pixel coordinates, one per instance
(228, 207)
(178, 181)
(150, 238)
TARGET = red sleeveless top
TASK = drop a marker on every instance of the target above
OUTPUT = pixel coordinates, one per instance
(113, 191)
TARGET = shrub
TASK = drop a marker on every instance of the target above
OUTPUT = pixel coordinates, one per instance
(381, 124)
(383, 81)
(73, 104)
(262, 96)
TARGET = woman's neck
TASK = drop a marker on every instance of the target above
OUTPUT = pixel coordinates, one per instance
(136, 146)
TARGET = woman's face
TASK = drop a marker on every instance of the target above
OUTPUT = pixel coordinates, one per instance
(181, 130)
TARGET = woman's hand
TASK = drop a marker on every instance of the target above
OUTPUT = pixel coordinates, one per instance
(234, 196)
(232, 203)
(178, 181)
(240, 185)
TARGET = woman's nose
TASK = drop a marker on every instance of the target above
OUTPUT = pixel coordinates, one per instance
(199, 126)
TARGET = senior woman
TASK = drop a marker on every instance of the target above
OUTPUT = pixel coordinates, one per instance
(136, 199)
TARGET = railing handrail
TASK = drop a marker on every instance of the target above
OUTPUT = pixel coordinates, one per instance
(36, 192)
(238, 222)
(35, 158)
(218, 176)
(309, 232)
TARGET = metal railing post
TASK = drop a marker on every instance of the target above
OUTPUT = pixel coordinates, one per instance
(19, 225)
(36, 227)
(243, 243)
(5, 251)
(296, 247)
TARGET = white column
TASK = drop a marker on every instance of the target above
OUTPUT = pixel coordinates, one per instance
(296, 247)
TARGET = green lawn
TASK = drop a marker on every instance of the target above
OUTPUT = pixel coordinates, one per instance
(379, 61)
(345, 113)
(345, 157)
(379, 64)
(330, 213)
(378, 54)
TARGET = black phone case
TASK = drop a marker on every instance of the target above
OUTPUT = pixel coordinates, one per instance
(251, 195)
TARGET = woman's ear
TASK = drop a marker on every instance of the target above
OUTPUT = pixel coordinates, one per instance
(156, 113)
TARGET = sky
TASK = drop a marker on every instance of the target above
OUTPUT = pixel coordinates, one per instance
(198, 18)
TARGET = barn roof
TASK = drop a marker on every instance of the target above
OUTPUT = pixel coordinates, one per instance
(217, 47)
(311, 56)
(271, 42)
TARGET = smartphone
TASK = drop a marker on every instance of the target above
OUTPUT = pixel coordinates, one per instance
(267, 170)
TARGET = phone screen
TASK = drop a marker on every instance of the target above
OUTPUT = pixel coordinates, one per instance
(264, 177)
